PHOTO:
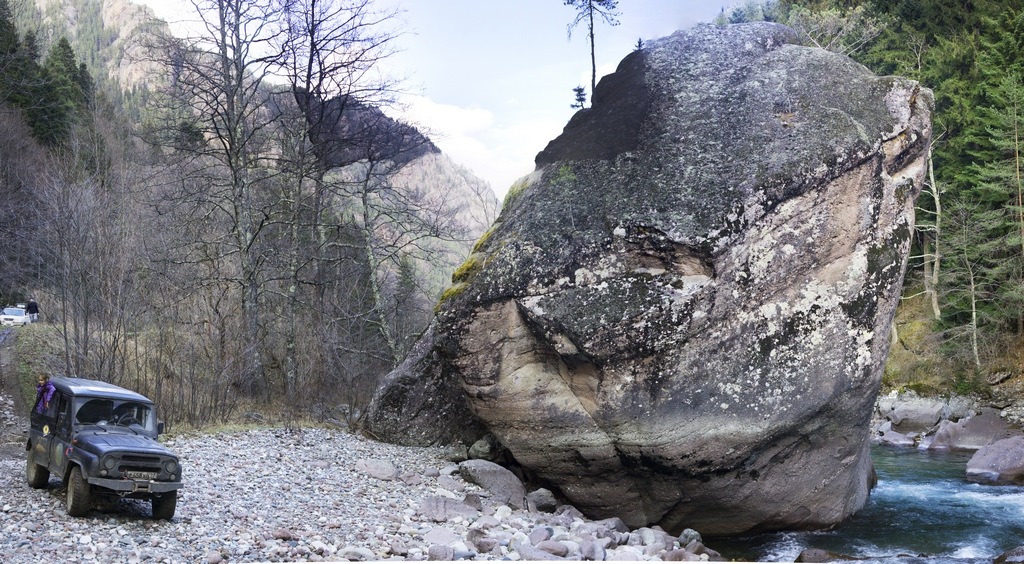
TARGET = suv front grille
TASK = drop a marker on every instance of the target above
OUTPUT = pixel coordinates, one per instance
(134, 463)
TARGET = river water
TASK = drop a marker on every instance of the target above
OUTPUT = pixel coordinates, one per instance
(922, 510)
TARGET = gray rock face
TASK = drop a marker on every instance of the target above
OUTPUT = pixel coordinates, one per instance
(1012, 555)
(681, 317)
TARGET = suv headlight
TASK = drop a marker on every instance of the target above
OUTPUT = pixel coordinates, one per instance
(108, 464)
(170, 466)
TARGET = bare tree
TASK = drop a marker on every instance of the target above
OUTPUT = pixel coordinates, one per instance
(84, 240)
(347, 202)
(840, 31)
(928, 234)
(933, 259)
(586, 10)
(283, 234)
(22, 166)
(965, 286)
(331, 51)
(220, 123)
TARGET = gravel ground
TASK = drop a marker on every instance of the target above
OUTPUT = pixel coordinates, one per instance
(249, 496)
(272, 495)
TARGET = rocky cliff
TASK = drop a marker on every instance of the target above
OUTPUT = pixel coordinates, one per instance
(681, 317)
(111, 36)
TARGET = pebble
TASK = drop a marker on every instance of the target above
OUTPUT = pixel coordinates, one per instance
(314, 495)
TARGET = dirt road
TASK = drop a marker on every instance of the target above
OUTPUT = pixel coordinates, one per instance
(13, 423)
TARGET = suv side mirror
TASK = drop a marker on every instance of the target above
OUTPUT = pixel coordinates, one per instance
(159, 427)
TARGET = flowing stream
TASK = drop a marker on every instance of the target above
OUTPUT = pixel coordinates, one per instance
(922, 510)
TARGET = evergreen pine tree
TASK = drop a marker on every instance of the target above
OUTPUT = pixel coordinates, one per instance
(25, 75)
(8, 34)
(9, 44)
(580, 95)
(60, 97)
(586, 10)
(985, 163)
(998, 192)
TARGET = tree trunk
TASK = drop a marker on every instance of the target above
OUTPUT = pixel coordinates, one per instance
(974, 315)
(593, 58)
(1020, 195)
(932, 285)
(374, 266)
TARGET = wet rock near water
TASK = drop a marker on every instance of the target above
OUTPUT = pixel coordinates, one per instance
(1013, 555)
(819, 555)
(317, 495)
(909, 420)
(999, 463)
(909, 413)
(955, 423)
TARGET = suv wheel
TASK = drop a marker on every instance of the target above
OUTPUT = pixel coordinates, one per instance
(79, 494)
(164, 505)
(38, 476)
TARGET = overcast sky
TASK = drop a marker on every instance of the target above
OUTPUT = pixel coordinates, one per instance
(492, 80)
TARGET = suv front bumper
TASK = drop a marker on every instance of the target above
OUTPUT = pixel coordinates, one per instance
(135, 486)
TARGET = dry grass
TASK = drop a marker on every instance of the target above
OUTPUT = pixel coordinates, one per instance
(917, 361)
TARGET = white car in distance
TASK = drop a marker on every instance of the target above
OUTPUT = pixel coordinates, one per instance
(14, 316)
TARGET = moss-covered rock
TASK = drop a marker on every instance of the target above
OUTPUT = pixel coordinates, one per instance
(682, 316)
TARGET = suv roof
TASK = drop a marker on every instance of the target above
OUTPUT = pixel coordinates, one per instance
(86, 387)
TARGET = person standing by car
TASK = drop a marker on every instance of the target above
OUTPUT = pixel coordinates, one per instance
(32, 309)
(44, 394)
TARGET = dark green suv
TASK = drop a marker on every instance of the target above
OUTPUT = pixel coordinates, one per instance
(101, 440)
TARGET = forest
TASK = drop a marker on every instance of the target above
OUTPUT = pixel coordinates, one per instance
(241, 233)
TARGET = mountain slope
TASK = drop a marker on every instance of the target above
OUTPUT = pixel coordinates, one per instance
(109, 36)
(113, 37)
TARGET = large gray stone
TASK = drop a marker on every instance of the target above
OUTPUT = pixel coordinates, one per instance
(443, 509)
(681, 317)
(910, 413)
(380, 469)
(500, 482)
(972, 432)
(1001, 462)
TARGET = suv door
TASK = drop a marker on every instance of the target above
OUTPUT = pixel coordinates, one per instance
(44, 425)
(60, 436)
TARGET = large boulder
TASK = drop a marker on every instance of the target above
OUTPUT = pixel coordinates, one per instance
(681, 317)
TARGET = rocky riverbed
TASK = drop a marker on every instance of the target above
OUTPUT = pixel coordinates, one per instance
(311, 495)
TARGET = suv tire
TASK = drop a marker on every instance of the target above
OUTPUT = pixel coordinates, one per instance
(79, 494)
(164, 505)
(38, 476)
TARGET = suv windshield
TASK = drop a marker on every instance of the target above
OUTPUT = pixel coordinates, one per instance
(113, 412)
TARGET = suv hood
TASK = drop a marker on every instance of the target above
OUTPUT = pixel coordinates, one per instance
(102, 442)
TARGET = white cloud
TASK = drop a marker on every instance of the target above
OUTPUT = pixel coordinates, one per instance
(498, 152)
(445, 119)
